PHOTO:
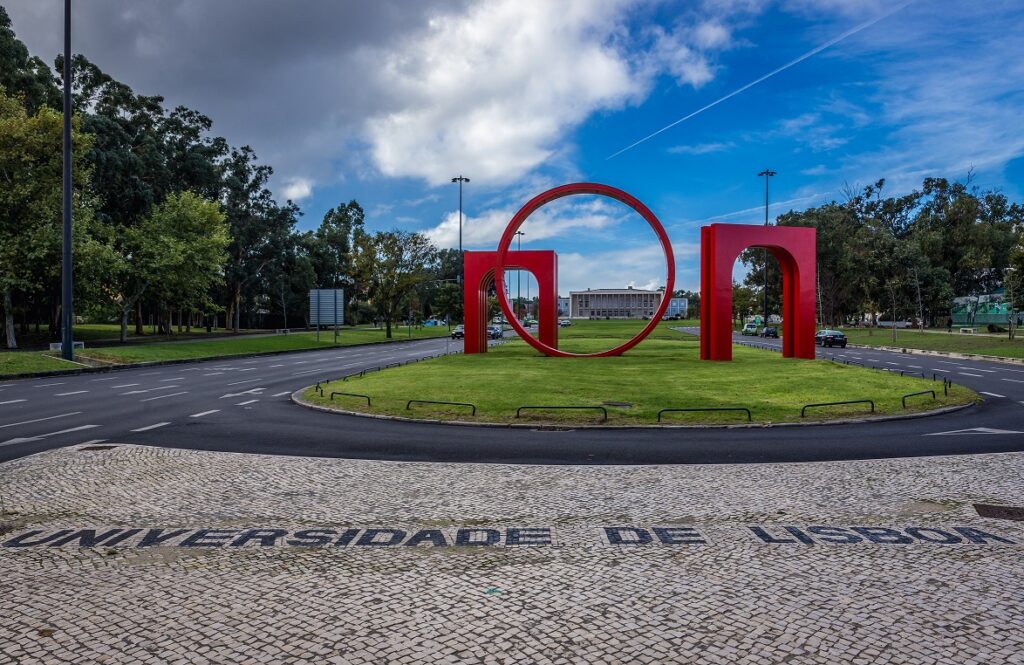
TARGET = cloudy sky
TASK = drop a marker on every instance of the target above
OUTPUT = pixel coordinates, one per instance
(386, 101)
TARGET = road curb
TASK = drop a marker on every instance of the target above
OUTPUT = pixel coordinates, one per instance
(180, 361)
(296, 397)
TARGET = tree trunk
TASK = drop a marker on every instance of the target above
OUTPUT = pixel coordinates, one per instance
(387, 327)
(12, 341)
(139, 330)
(238, 308)
(124, 324)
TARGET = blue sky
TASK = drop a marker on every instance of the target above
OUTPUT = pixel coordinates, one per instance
(523, 95)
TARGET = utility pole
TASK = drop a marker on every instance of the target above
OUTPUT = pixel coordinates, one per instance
(67, 347)
(519, 274)
(459, 179)
(767, 173)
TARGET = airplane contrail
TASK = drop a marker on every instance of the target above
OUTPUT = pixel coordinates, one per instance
(812, 52)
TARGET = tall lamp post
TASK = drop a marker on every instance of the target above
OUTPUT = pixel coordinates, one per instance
(519, 274)
(460, 179)
(1011, 316)
(67, 347)
(767, 173)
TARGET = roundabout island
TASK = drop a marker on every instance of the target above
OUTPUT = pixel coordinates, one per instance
(661, 383)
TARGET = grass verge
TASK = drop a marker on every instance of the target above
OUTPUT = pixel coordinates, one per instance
(27, 362)
(663, 372)
(940, 341)
(194, 350)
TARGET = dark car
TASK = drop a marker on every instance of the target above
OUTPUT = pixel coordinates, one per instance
(770, 331)
(830, 338)
(459, 332)
(495, 332)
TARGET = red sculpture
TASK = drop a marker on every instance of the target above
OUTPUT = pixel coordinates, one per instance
(795, 248)
(479, 270)
(503, 254)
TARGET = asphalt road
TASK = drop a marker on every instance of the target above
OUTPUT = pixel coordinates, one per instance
(243, 406)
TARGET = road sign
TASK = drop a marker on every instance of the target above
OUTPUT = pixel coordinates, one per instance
(327, 307)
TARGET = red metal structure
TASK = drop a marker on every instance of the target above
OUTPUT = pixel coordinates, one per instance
(502, 260)
(793, 247)
(479, 269)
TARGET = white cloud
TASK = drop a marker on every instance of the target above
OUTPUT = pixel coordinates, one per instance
(700, 148)
(492, 92)
(297, 189)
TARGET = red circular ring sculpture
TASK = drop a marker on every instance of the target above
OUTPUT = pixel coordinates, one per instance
(568, 190)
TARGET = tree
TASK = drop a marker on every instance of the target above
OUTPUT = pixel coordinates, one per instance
(187, 236)
(31, 172)
(389, 266)
(25, 77)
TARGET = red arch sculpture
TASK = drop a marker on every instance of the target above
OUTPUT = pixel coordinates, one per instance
(547, 197)
(795, 250)
(479, 269)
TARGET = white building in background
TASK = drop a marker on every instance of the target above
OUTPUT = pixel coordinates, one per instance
(563, 306)
(628, 303)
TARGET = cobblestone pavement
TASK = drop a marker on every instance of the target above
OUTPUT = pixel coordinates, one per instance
(200, 557)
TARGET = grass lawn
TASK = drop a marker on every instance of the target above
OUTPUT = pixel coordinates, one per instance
(939, 341)
(662, 372)
(245, 345)
(24, 362)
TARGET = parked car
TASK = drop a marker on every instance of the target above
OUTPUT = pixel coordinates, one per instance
(564, 323)
(749, 329)
(459, 332)
(830, 338)
(770, 331)
(495, 332)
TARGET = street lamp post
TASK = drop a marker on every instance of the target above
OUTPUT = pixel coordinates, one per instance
(460, 179)
(67, 347)
(519, 274)
(767, 173)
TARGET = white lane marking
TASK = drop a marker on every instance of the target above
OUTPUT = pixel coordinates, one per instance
(191, 369)
(26, 439)
(47, 385)
(947, 362)
(278, 365)
(936, 369)
(148, 390)
(149, 427)
(250, 362)
(301, 362)
(915, 366)
(254, 391)
(213, 374)
(969, 374)
(889, 363)
(308, 371)
(15, 401)
(281, 394)
(177, 378)
(204, 413)
(978, 369)
(150, 399)
(39, 420)
(248, 402)
(238, 383)
(1010, 380)
(249, 369)
(976, 430)
(150, 373)
(127, 385)
(991, 394)
(73, 392)
(111, 378)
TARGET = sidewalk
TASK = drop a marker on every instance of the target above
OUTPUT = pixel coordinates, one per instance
(214, 557)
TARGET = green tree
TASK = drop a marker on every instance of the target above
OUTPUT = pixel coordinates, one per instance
(31, 173)
(389, 267)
